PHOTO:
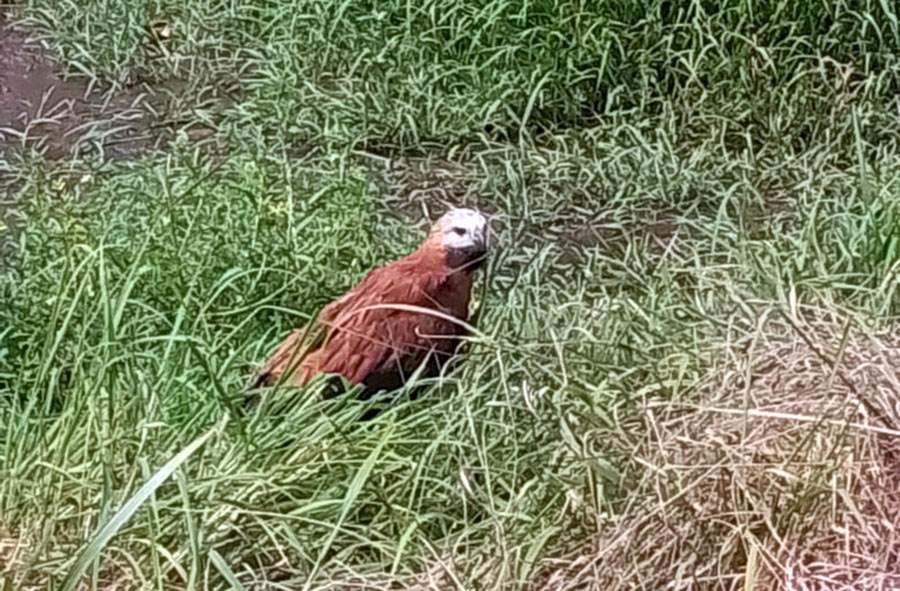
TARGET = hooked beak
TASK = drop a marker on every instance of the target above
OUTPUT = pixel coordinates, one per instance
(479, 252)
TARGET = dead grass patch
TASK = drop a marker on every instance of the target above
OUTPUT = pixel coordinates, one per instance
(13, 551)
(785, 474)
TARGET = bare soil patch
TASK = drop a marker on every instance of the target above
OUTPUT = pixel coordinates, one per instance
(60, 115)
(43, 109)
(413, 186)
(417, 188)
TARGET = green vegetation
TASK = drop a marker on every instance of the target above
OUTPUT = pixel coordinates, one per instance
(661, 171)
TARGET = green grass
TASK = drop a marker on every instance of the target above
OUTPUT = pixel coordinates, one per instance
(662, 171)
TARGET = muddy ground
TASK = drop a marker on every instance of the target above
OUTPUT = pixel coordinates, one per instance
(64, 115)
(61, 116)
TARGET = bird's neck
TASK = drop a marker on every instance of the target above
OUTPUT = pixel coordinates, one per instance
(448, 286)
(436, 260)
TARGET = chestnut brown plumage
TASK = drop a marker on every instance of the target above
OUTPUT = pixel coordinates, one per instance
(407, 315)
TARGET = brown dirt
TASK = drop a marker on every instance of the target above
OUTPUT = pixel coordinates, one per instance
(418, 189)
(60, 115)
(422, 187)
(42, 109)
(655, 230)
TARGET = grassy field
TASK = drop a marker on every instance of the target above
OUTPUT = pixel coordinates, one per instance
(681, 190)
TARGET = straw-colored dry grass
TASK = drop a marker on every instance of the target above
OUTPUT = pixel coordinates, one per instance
(13, 547)
(785, 474)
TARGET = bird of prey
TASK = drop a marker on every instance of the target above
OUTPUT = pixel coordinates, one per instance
(406, 316)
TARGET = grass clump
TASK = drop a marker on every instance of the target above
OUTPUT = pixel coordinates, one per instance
(184, 235)
(390, 74)
(133, 336)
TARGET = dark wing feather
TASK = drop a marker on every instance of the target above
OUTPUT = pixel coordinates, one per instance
(289, 354)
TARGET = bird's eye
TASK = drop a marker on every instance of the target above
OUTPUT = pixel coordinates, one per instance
(459, 231)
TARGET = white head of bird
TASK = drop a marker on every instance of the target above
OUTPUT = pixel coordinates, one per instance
(461, 234)
(463, 229)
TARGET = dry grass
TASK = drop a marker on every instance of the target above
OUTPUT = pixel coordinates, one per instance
(13, 548)
(18, 550)
(784, 475)
(435, 576)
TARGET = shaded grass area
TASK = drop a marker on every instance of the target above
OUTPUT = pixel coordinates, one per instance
(660, 173)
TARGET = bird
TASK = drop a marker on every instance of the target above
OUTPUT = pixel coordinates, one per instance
(409, 315)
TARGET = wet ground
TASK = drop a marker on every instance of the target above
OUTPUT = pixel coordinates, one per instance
(64, 116)
(43, 111)
(57, 116)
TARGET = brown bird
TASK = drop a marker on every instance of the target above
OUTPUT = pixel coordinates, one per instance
(407, 315)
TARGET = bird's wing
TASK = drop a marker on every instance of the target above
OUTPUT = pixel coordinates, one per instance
(367, 331)
(289, 354)
(294, 350)
(377, 332)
